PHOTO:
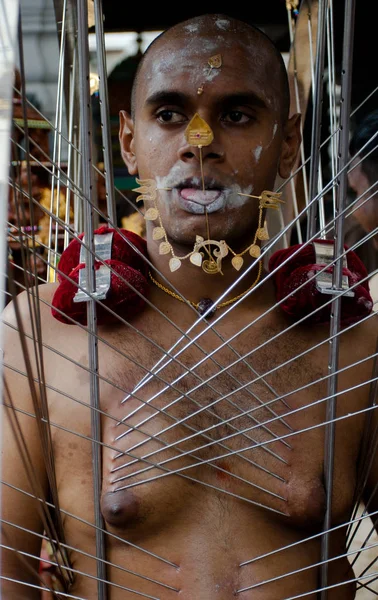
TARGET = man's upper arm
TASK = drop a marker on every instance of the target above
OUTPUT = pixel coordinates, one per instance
(23, 477)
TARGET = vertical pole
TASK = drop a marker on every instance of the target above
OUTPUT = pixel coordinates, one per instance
(104, 111)
(87, 179)
(342, 183)
(9, 11)
(317, 116)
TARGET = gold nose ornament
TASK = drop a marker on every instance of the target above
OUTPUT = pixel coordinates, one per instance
(198, 133)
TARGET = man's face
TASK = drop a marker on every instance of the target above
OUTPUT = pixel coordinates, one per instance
(240, 102)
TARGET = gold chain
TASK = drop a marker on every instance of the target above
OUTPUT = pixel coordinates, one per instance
(221, 305)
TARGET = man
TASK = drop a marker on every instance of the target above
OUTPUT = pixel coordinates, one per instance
(208, 134)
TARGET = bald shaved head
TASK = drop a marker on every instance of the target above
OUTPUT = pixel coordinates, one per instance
(208, 32)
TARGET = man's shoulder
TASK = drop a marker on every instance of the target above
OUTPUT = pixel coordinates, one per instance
(33, 303)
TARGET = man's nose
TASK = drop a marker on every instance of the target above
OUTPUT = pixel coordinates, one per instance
(211, 153)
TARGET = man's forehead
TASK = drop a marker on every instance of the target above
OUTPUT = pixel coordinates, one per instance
(191, 56)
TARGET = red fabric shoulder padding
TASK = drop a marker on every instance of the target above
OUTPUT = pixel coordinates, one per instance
(302, 302)
(128, 267)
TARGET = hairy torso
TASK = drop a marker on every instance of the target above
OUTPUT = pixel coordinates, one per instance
(199, 478)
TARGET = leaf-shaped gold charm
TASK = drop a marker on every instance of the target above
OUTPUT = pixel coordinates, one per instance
(174, 264)
(198, 132)
(268, 196)
(147, 189)
(255, 251)
(158, 233)
(270, 199)
(215, 61)
(164, 248)
(196, 259)
(151, 214)
(262, 234)
(237, 262)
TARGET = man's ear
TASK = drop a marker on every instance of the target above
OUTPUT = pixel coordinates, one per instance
(126, 139)
(292, 141)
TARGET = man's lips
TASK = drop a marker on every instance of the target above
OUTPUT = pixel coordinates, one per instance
(194, 200)
(203, 197)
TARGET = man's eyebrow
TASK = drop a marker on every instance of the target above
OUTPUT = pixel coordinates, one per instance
(167, 97)
(242, 98)
(225, 100)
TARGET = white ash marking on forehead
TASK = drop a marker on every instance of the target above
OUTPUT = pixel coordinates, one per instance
(223, 24)
(191, 28)
(211, 74)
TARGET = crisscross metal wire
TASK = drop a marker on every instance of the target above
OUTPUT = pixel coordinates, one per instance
(261, 436)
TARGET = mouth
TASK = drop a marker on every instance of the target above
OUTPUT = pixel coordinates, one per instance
(196, 199)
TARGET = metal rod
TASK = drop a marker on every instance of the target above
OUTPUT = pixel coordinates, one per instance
(104, 112)
(82, 552)
(86, 148)
(71, 109)
(331, 408)
(8, 38)
(317, 116)
(57, 142)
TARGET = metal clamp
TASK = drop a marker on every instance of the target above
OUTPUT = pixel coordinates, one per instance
(103, 251)
(324, 255)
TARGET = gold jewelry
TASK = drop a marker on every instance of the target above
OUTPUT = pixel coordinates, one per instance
(267, 200)
(198, 133)
(214, 62)
(206, 303)
(213, 263)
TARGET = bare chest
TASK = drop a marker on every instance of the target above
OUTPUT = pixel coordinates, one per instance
(237, 420)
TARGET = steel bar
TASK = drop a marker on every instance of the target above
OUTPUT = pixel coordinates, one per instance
(317, 116)
(9, 10)
(329, 442)
(86, 149)
(104, 111)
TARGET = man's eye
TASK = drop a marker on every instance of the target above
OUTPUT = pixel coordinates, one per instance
(235, 116)
(170, 116)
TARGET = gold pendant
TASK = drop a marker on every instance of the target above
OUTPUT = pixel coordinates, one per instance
(164, 248)
(262, 233)
(237, 262)
(158, 233)
(255, 251)
(196, 259)
(174, 264)
(151, 214)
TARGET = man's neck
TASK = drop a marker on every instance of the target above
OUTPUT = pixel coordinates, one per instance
(194, 284)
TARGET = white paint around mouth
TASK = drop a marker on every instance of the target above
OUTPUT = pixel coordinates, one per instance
(230, 196)
(195, 208)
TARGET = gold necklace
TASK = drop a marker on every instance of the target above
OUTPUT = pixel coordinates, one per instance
(206, 303)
